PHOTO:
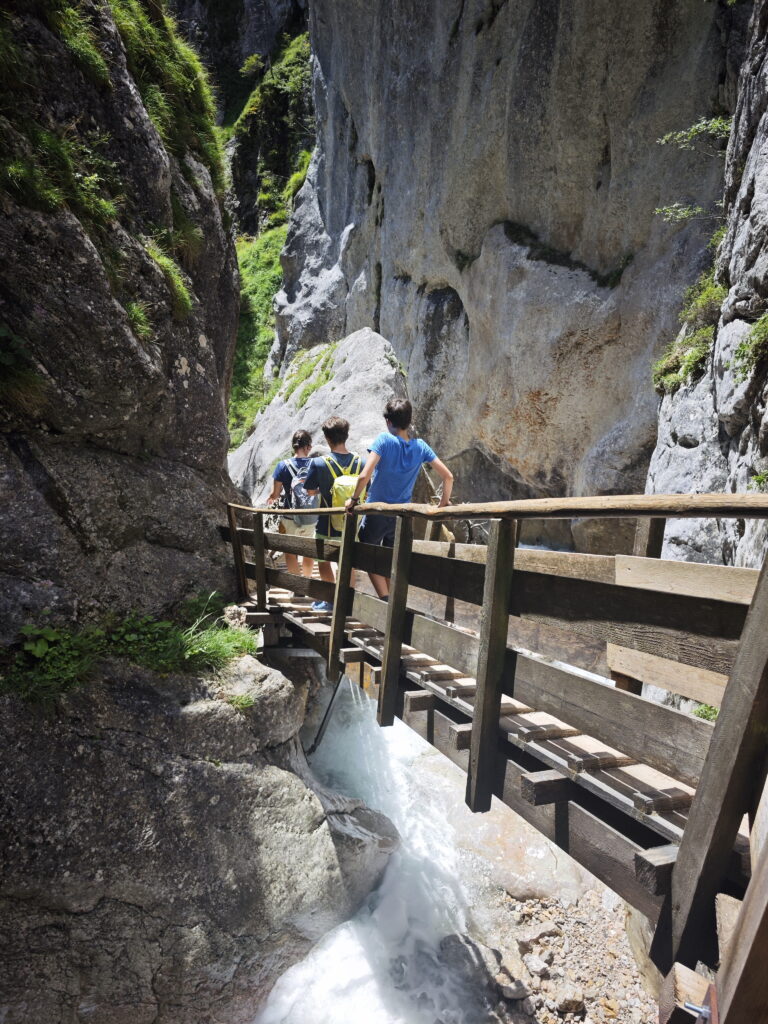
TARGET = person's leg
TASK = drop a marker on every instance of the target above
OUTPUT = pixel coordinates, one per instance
(306, 566)
(292, 563)
(326, 572)
(378, 530)
(380, 584)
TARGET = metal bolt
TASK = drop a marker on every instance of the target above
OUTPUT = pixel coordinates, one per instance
(702, 1011)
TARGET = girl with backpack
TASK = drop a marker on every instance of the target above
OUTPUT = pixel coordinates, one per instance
(288, 485)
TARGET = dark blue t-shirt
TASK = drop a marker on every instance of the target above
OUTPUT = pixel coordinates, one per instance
(398, 466)
(320, 478)
(284, 475)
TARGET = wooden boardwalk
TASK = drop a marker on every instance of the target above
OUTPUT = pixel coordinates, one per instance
(526, 667)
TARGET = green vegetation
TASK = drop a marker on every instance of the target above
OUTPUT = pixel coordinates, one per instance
(49, 661)
(173, 84)
(70, 23)
(322, 375)
(278, 116)
(753, 350)
(22, 388)
(313, 369)
(759, 482)
(707, 132)
(174, 279)
(679, 213)
(260, 279)
(684, 360)
(241, 701)
(138, 318)
(702, 302)
(706, 711)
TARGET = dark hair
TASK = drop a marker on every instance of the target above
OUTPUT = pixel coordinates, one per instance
(399, 412)
(301, 439)
(336, 430)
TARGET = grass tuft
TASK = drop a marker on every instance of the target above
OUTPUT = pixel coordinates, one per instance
(702, 302)
(752, 352)
(138, 318)
(174, 279)
(71, 24)
(684, 360)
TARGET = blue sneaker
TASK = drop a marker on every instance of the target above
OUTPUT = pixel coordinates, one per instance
(322, 606)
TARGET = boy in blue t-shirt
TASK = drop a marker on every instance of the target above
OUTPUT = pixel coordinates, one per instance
(394, 463)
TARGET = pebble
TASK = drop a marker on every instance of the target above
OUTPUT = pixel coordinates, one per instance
(536, 966)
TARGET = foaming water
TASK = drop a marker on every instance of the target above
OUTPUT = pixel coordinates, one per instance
(383, 966)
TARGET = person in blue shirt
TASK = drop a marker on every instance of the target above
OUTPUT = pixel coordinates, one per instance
(392, 466)
(322, 472)
(282, 478)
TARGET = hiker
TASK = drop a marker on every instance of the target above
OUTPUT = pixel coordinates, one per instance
(394, 462)
(333, 477)
(289, 480)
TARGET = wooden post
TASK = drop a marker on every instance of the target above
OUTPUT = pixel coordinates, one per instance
(730, 785)
(649, 537)
(742, 982)
(258, 560)
(237, 551)
(433, 530)
(491, 662)
(396, 611)
(341, 598)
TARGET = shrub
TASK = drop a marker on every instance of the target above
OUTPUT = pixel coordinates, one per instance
(703, 301)
(174, 279)
(684, 360)
(706, 711)
(753, 350)
(708, 132)
(298, 177)
(759, 482)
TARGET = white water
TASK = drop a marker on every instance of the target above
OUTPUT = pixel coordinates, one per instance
(382, 967)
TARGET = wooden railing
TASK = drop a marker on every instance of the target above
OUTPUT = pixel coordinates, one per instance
(545, 629)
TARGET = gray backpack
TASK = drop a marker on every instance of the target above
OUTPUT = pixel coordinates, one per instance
(299, 497)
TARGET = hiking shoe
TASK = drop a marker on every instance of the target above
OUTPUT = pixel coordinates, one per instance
(322, 606)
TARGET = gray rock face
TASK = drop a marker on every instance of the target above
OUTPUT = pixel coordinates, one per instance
(112, 468)
(486, 203)
(166, 857)
(361, 373)
(713, 432)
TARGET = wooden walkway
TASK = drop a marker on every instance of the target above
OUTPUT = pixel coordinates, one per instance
(501, 658)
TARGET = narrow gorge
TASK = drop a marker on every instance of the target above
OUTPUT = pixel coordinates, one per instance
(543, 223)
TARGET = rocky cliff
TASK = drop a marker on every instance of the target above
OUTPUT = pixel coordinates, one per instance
(117, 315)
(713, 429)
(167, 853)
(486, 202)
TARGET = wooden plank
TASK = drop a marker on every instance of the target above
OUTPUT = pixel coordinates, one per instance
(536, 725)
(727, 911)
(730, 785)
(258, 561)
(342, 597)
(681, 986)
(626, 683)
(419, 700)
(668, 740)
(743, 979)
(319, 590)
(654, 868)
(694, 579)
(260, 618)
(492, 663)
(395, 627)
(695, 683)
(311, 547)
(237, 551)
(586, 752)
(728, 506)
(649, 537)
(351, 655)
(545, 787)
(650, 790)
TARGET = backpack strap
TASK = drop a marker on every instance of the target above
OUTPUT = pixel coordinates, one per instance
(330, 463)
(292, 468)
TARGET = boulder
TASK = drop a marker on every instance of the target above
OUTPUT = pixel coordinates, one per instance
(354, 379)
(166, 854)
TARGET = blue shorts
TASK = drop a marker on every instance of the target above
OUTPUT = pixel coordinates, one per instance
(378, 530)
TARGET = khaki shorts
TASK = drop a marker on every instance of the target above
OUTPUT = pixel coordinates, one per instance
(289, 526)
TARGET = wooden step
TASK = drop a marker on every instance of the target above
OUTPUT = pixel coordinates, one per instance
(535, 725)
(582, 753)
(648, 789)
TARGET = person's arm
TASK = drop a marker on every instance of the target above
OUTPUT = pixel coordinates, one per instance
(277, 489)
(363, 480)
(312, 484)
(447, 477)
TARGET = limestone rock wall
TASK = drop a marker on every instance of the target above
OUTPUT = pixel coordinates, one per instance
(167, 856)
(482, 194)
(713, 432)
(112, 432)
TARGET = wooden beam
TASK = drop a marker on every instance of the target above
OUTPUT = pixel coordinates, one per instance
(394, 630)
(460, 735)
(237, 551)
(694, 683)
(681, 986)
(492, 663)
(649, 537)
(319, 590)
(742, 981)
(692, 579)
(730, 785)
(545, 787)
(626, 683)
(653, 868)
(419, 700)
(631, 506)
(258, 561)
(342, 597)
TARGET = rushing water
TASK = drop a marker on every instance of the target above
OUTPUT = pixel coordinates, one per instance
(384, 966)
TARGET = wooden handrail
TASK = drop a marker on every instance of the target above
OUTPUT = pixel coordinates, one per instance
(724, 506)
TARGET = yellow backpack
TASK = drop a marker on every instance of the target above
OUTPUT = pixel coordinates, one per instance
(344, 483)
